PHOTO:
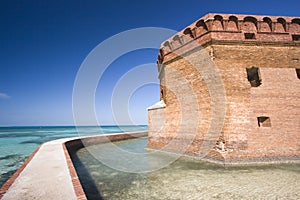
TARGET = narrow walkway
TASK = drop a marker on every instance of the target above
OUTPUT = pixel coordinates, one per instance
(45, 177)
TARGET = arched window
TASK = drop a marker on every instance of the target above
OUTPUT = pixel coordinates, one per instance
(201, 24)
(295, 26)
(250, 24)
(280, 25)
(188, 32)
(177, 39)
(168, 45)
(266, 25)
(296, 21)
(201, 28)
(232, 23)
(218, 23)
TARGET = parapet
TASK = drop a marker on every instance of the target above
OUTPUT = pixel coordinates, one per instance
(233, 27)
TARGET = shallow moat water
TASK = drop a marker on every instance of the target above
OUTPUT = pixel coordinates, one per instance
(17, 143)
(185, 179)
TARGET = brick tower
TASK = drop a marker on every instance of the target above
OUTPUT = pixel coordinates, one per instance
(257, 62)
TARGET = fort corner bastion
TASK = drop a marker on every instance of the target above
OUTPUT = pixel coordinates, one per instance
(249, 63)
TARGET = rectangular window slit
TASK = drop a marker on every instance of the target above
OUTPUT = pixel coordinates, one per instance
(253, 75)
(298, 72)
(296, 37)
(249, 36)
(264, 121)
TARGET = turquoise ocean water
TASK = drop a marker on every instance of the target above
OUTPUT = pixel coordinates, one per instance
(17, 143)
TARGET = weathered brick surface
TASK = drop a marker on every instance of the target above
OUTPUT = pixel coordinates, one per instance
(222, 37)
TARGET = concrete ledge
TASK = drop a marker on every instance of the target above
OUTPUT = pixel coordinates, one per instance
(49, 172)
(159, 105)
(10, 181)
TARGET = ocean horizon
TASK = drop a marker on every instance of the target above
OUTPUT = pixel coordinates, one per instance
(18, 142)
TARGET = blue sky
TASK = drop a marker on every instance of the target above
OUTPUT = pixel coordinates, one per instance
(43, 43)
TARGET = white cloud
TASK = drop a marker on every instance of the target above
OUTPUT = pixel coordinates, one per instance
(4, 96)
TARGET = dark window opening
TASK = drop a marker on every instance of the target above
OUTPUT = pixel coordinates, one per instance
(298, 72)
(268, 21)
(168, 44)
(201, 23)
(249, 36)
(162, 94)
(233, 19)
(189, 32)
(264, 121)
(250, 19)
(253, 76)
(283, 22)
(296, 37)
(296, 21)
(218, 17)
(177, 38)
(250, 24)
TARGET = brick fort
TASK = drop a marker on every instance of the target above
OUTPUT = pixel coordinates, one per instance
(238, 89)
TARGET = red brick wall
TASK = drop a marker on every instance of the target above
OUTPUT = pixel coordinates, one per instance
(276, 98)
(275, 54)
